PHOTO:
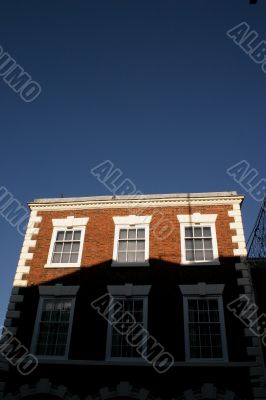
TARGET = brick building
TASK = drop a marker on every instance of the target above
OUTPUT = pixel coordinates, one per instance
(124, 298)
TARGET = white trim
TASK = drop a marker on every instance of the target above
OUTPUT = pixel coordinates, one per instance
(222, 328)
(37, 326)
(125, 222)
(198, 219)
(237, 226)
(26, 254)
(64, 224)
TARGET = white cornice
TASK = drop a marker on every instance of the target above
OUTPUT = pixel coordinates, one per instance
(134, 203)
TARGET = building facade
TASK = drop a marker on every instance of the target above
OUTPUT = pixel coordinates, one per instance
(119, 297)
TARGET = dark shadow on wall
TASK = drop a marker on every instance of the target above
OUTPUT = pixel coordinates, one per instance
(165, 323)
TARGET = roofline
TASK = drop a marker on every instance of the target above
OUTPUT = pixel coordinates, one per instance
(144, 200)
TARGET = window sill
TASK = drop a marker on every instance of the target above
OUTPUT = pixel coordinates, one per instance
(62, 265)
(207, 360)
(51, 358)
(126, 360)
(213, 262)
(130, 264)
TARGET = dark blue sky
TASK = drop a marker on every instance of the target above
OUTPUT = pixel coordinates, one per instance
(155, 86)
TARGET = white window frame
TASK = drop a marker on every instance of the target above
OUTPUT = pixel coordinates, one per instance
(204, 291)
(64, 224)
(127, 222)
(198, 220)
(56, 292)
(128, 291)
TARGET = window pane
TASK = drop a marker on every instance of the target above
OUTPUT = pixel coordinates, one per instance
(207, 231)
(58, 247)
(188, 232)
(213, 304)
(56, 258)
(189, 255)
(65, 257)
(48, 306)
(141, 233)
(123, 234)
(74, 257)
(193, 313)
(131, 256)
(132, 233)
(75, 247)
(193, 304)
(122, 245)
(197, 232)
(77, 235)
(67, 247)
(208, 255)
(214, 316)
(207, 243)
(68, 235)
(199, 255)
(140, 256)
(141, 245)
(60, 235)
(198, 244)
(131, 246)
(189, 244)
(122, 257)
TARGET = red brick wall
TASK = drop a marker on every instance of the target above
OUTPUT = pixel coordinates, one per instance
(99, 237)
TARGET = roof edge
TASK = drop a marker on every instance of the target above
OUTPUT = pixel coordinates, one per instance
(135, 197)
